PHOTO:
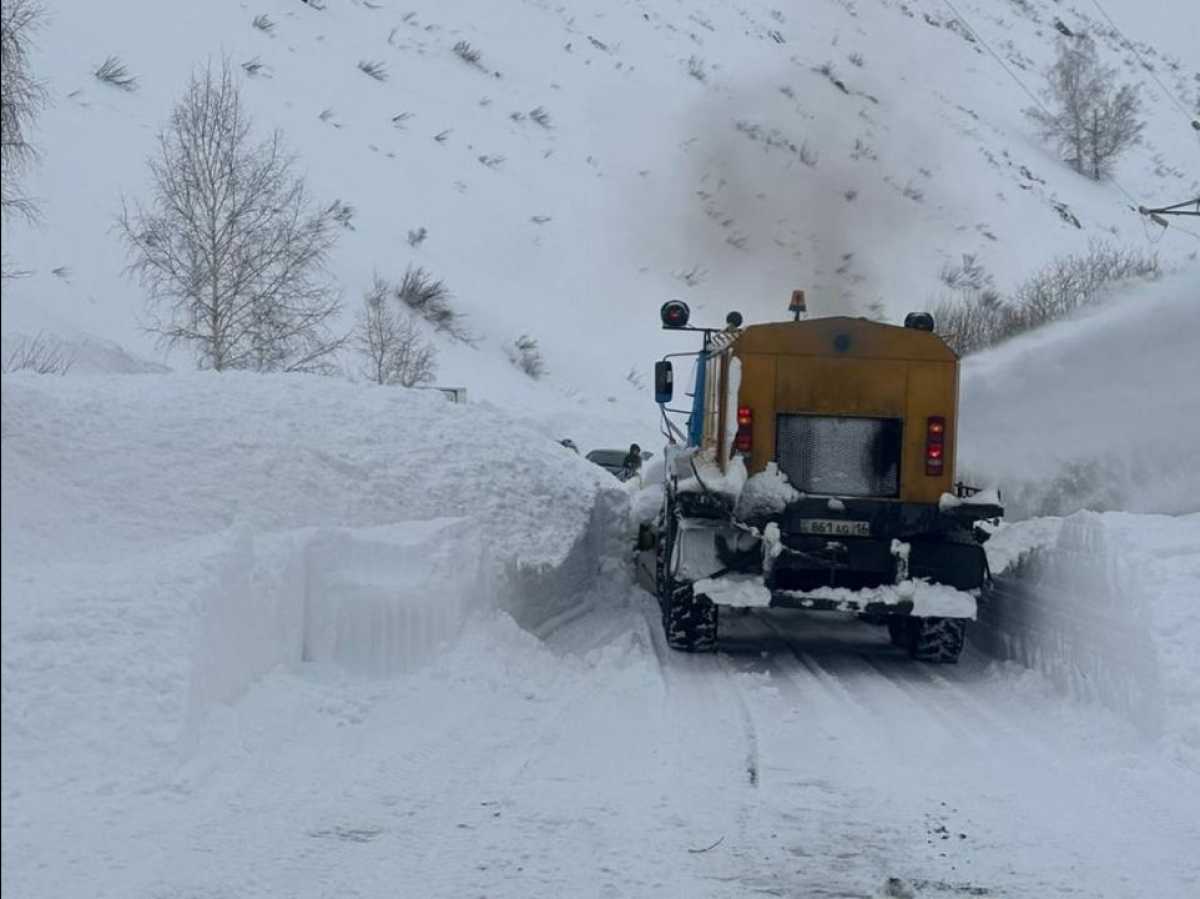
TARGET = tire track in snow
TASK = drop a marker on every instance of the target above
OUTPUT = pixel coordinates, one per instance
(748, 729)
(830, 688)
(893, 675)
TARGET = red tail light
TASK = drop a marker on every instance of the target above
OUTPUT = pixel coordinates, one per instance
(935, 445)
(744, 441)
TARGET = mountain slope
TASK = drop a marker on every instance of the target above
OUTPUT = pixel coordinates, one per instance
(700, 139)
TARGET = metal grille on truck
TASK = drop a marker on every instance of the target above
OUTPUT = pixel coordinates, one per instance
(840, 456)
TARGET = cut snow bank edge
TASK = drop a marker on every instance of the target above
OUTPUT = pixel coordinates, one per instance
(1107, 606)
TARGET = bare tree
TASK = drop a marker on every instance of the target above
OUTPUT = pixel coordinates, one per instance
(21, 98)
(231, 249)
(390, 341)
(1094, 120)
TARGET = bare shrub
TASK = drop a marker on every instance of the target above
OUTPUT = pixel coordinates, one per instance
(1072, 282)
(827, 69)
(979, 317)
(21, 99)
(390, 341)
(467, 53)
(1093, 121)
(254, 67)
(115, 73)
(637, 378)
(264, 24)
(342, 213)
(697, 69)
(417, 237)
(527, 356)
(230, 247)
(430, 298)
(41, 355)
(373, 68)
(856, 59)
(540, 116)
(969, 323)
(968, 275)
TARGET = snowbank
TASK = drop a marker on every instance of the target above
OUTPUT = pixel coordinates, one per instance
(215, 527)
(94, 466)
(1108, 607)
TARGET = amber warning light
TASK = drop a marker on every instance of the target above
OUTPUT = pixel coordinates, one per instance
(797, 306)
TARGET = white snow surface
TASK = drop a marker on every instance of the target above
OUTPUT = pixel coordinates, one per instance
(179, 456)
(251, 647)
(741, 590)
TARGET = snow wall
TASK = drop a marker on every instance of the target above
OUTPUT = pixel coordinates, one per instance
(305, 518)
(1108, 609)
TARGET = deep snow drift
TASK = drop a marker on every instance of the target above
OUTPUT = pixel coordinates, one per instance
(258, 641)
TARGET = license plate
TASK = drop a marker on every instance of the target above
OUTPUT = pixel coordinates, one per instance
(835, 527)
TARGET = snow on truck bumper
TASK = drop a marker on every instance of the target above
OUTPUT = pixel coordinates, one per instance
(909, 597)
(743, 566)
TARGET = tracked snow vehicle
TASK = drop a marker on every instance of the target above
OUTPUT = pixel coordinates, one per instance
(816, 471)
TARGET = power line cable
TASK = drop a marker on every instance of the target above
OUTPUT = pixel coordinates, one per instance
(975, 33)
(1145, 66)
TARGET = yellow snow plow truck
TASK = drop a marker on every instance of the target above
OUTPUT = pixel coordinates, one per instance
(816, 471)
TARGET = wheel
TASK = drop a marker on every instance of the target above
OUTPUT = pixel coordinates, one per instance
(689, 621)
(936, 639)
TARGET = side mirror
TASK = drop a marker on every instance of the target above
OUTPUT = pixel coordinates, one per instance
(664, 382)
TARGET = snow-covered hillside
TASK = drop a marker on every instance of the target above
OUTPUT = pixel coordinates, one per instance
(686, 142)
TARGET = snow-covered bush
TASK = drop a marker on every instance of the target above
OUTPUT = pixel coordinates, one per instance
(115, 73)
(429, 298)
(467, 53)
(373, 68)
(527, 356)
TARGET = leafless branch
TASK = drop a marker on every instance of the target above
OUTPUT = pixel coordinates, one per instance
(230, 248)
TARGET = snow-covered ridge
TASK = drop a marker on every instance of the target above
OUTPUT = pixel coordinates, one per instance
(703, 150)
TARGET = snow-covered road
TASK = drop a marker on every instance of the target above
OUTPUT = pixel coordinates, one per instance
(808, 758)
